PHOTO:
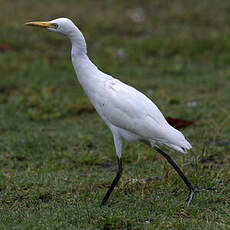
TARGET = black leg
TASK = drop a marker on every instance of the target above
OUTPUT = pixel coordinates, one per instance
(192, 190)
(114, 183)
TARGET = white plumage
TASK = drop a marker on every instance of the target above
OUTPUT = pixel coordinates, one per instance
(128, 113)
(125, 109)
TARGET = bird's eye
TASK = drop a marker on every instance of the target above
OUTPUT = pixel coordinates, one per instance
(55, 25)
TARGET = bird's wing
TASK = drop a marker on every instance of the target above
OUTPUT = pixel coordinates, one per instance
(127, 108)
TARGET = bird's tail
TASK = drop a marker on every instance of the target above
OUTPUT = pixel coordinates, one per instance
(176, 140)
(183, 147)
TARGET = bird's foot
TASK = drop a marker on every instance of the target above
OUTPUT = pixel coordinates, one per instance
(196, 190)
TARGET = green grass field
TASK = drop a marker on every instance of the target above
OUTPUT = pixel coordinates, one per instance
(57, 158)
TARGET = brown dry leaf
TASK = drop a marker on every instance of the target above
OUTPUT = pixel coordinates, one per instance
(178, 123)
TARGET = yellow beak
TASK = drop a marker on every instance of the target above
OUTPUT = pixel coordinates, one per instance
(41, 24)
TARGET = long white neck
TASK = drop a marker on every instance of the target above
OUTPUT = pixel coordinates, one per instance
(86, 71)
(78, 42)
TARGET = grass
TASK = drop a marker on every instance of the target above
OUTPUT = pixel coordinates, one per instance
(57, 158)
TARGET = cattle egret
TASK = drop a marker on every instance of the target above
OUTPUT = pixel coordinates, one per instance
(128, 113)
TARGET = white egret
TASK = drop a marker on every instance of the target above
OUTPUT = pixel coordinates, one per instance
(128, 113)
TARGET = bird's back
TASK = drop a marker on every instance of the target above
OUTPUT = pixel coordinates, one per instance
(126, 108)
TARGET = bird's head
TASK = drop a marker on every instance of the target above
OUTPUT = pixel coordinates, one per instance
(65, 26)
(60, 25)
